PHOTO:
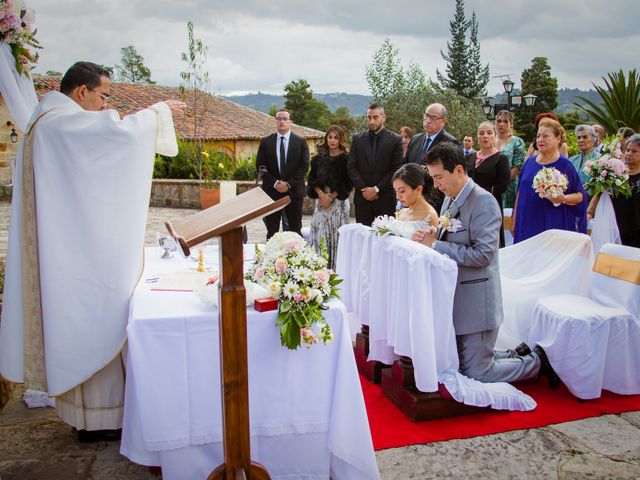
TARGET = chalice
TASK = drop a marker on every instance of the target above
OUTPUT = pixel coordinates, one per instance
(169, 246)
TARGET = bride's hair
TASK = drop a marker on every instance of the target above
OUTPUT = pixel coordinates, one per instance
(415, 175)
(412, 174)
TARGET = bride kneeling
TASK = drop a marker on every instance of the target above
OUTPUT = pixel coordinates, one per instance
(408, 183)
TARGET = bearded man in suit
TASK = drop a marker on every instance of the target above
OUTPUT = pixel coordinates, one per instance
(374, 157)
(472, 241)
(283, 161)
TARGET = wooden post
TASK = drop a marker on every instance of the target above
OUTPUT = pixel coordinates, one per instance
(233, 363)
(226, 220)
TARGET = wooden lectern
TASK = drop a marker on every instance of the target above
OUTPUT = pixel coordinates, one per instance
(225, 220)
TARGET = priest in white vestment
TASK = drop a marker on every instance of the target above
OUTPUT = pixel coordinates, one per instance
(80, 201)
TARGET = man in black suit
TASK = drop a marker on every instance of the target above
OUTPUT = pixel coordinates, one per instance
(433, 121)
(374, 157)
(284, 158)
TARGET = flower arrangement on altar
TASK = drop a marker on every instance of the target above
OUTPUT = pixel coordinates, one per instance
(550, 183)
(17, 31)
(608, 174)
(298, 277)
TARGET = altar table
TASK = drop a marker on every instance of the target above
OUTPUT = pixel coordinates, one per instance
(307, 413)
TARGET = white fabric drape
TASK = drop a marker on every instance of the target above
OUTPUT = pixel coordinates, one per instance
(92, 181)
(17, 90)
(555, 261)
(308, 418)
(605, 227)
(404, 291)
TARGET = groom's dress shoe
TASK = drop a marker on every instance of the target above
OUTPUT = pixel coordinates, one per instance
(522, 350)
(546, 369)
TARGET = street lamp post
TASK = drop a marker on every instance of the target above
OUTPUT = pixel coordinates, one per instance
(490, 109)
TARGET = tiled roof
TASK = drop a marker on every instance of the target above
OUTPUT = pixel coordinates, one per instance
(224, 120)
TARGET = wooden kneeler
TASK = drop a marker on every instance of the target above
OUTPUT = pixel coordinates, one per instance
(225, 220)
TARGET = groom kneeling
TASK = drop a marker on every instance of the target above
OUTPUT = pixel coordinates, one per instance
(470, 236)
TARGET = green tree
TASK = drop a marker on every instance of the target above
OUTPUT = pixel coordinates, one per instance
(537, 80)
(620, 102)
(464, 72)
(304, 107)
(406, 97)
(53, 73)
(343, 118)
(194, 89)
(133, 69)
(478, 75)
(385, 75)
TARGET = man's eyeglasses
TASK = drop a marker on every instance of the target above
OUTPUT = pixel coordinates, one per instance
(103, 96)
(433, 118)
(282, 119)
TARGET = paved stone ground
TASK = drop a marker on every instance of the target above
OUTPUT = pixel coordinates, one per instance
(34, 444)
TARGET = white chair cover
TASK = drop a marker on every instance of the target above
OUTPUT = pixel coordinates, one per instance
(605, 228)
(593, 342)
(555, 261)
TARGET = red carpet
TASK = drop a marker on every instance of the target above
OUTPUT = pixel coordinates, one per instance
(390, 428)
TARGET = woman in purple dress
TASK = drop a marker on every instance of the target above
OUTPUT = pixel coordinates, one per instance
(534, 215)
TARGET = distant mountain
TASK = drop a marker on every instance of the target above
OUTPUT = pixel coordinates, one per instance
(357, 104)
(567, 97)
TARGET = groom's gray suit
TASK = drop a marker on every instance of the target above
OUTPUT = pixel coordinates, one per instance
(477, 304)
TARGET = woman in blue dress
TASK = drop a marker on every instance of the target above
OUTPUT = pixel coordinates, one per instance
(534, 215)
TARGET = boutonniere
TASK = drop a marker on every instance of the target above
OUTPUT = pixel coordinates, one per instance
(451, 225)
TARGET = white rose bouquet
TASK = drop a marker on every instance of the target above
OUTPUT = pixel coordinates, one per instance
(299, 278)
(550, 183)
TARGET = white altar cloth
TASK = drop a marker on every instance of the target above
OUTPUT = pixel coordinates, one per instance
(308, 418)
(404, 292)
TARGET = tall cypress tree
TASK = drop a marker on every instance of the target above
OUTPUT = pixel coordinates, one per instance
(464, 73)
(457, 55)
(478, 75)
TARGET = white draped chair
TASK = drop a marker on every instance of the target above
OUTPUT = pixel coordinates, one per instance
(593, 341)
(552, 262)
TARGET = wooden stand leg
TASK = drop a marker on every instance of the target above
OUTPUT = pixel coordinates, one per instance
(372, 371)
(399, 385)
(233, 363)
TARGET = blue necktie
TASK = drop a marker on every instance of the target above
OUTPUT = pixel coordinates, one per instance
(425, 147)
(282, 156)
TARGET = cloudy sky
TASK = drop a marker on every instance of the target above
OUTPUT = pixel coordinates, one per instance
(258, 45)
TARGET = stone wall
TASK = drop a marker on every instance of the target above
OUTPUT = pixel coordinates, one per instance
(186, 194)
(8, 150)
